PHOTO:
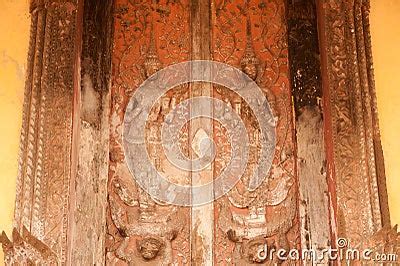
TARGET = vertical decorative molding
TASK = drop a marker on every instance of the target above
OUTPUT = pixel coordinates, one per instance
(25, 122)
(304, 60)
(360, 189)
(58, 87)
(379, 160)
(43, 188)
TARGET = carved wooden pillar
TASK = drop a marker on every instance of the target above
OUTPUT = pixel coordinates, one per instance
(43, 184)
(356, 159)
(61, 185)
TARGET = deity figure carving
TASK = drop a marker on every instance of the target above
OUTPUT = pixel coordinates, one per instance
(258, 226)
(78, 204)
(252, 218)
(149, 247)
(142, 221)
(150, 226)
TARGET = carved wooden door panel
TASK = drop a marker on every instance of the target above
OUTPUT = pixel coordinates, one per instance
(251, 36)
(147, 37)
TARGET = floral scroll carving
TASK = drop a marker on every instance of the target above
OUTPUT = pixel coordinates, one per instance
(360, 188)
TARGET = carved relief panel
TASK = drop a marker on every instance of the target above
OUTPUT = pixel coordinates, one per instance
(250, 36)
(140, 230)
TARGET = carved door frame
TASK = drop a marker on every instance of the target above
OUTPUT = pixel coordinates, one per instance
(64, 137)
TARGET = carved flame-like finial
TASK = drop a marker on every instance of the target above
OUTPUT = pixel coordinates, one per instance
(249, 62)
(249, 56)
(152, 63)
(4, 241)
(25, 247)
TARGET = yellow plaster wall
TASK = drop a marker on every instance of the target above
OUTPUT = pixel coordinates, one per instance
(385, 31)
(14, 34)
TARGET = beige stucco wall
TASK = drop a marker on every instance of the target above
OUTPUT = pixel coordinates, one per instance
(14, 33)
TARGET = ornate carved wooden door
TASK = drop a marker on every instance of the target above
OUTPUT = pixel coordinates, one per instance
(250, 35)
(80, 198)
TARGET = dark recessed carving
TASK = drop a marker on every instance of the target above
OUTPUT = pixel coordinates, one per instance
(304, 56)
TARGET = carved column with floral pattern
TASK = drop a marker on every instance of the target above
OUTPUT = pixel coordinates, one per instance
(356, 159)
(43, 184)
